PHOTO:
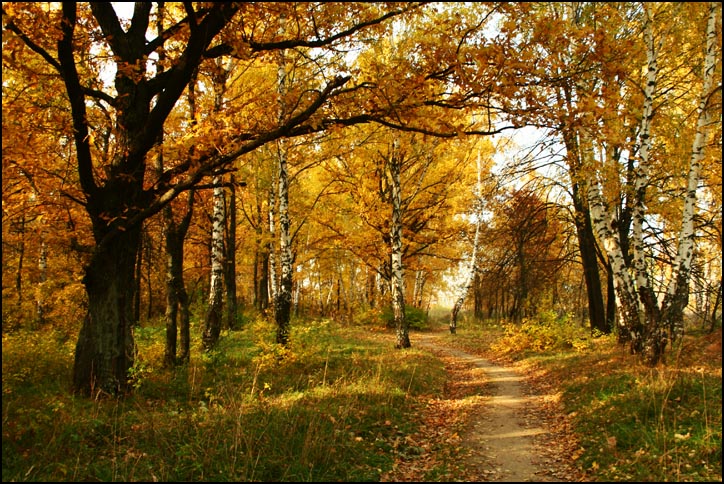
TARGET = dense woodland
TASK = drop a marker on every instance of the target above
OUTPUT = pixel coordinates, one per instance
(170, 163)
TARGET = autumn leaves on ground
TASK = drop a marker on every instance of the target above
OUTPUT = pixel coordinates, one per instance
(342, 405)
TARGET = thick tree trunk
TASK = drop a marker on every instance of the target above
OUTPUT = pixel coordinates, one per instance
(116, 203)
(105, 349)
(587, 246)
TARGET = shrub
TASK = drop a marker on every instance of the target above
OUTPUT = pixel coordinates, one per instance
(416, 317)
(547, 331)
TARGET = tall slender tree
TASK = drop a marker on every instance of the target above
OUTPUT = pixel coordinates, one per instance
(473, 266)
(397, 279)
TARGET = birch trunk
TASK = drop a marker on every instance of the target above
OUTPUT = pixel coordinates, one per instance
(677, 293)
(654, 341)
(283, 298)
(214, 311)
(585, 232)
(397, 280)
(212, 326)
(638, 313)
(270, 265)
(473, 266)
(651, 326)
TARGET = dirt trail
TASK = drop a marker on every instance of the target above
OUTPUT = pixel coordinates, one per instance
(511, 439)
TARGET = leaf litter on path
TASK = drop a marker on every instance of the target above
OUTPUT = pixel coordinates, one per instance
(491, 425)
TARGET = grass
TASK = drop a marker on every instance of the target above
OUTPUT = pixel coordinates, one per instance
(337, 404)
(327, 411)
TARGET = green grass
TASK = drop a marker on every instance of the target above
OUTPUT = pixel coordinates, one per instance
(327, 411)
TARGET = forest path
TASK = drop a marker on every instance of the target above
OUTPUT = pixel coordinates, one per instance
(513, 430)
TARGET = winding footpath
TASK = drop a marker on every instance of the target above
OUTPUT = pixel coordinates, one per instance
(509, 441)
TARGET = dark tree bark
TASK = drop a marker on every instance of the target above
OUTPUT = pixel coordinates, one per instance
(105, 348)
(230, 265)
(177, 300)
(587, 245)
(586, 242)
(115, 192)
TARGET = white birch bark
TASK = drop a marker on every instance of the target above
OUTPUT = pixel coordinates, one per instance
(473, 265)
(651, 326)
(213, 317)
(678, 292)
(397, 280)
(644, 147)
(212, 328)
(631, 315)
(272, 237)
(283, 299)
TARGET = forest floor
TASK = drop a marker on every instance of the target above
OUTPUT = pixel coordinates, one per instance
(497, 422)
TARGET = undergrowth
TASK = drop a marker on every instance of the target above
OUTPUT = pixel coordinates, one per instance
(325, 409)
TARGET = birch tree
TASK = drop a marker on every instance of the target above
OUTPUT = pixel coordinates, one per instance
(212, 321)
(649, 325)
(677, 293)
(283, 295)
(472, 269)
(118, 189)
(214, 311)
(397, 281)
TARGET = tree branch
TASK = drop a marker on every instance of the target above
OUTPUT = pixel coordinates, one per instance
(77, 100)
